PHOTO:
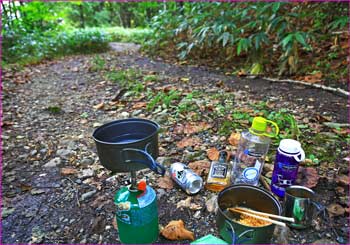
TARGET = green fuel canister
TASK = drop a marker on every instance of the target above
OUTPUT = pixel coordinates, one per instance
(137, 214)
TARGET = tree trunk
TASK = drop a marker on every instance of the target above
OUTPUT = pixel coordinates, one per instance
(4, 9)
(82, 19)
(20, 13)
(10, 14)
(14, 9)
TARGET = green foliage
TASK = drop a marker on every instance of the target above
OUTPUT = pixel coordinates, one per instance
(136, 35)
(33, 31)
(54, 109)
(250, 30)
(36, 46)
(164, 99)
(98, 63)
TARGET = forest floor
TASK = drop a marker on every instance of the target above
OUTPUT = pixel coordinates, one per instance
(54, 189)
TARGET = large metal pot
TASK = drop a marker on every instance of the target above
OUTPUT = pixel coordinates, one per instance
(128, 145)
(250, 197)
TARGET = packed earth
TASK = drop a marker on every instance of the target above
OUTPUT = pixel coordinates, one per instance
(54, 189)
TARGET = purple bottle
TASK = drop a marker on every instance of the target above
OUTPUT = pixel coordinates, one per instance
(289, 155)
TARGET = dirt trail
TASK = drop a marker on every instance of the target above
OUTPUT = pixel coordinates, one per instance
(47, 125)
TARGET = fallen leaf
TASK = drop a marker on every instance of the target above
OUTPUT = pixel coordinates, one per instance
(99, 201)
(68, 171)
(200, 167)
(98, 225)
(6, 124)
(119, 94)
(191, 128)
(99, 106)
(343, 180)
(347, 210)
(176, 230)
(234, 139)
(139, 105)
(197, 127)
(340, 190)
(165, 183)
(335, 209)
(114, 223)
(185, 142)
(25, 187)
(313, 78)
(241, 73)
(213, 154)
(184, 203)
(184, 79)
(307, 177)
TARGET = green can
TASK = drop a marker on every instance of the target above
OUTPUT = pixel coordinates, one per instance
(137, 215)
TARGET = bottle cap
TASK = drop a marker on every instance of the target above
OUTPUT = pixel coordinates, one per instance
(259, 124)
(290, 146)
(259, 127)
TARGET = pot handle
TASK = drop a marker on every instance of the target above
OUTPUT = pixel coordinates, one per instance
(146, 159)
(241, 237)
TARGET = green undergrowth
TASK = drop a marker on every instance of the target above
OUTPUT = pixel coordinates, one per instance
(28, 48)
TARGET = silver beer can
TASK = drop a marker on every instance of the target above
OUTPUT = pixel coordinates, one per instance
(188, 180)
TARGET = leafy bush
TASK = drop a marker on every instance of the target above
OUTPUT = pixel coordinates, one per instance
(253, 31)
(35, 46)
(135, 35)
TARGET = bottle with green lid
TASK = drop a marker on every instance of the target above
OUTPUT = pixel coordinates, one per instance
(252, 149)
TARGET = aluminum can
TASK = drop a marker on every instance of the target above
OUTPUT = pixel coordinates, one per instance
(188, 180)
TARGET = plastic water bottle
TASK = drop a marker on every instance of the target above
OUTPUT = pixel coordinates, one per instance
(252, 149)
(289, 155)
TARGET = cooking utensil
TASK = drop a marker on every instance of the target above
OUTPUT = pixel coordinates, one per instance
(265, 214)
(251, 197)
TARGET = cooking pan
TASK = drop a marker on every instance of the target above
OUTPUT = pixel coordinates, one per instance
(128, 145)
(251, 197)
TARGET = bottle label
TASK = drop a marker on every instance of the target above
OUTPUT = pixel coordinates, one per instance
(285, 174)
(250, 174)
(180, 176)
(219, 171)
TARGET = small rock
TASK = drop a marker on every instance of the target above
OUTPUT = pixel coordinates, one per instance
(64, 153)
(108, 227)
(78, 181)
(23, 156)
(88, 195)
(324, 241)
(33, 152)
(7, 211)
(86, 173)
(53, 163)
(83, 241)
(87, 161)
(136, 113)
(211, 204)
(95, 125)
(160, 193)
(36, 191)
(43, 151)
(124, 115)
(197, 214)
(71, 145)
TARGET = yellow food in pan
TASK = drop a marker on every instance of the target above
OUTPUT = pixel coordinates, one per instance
(253, 222)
